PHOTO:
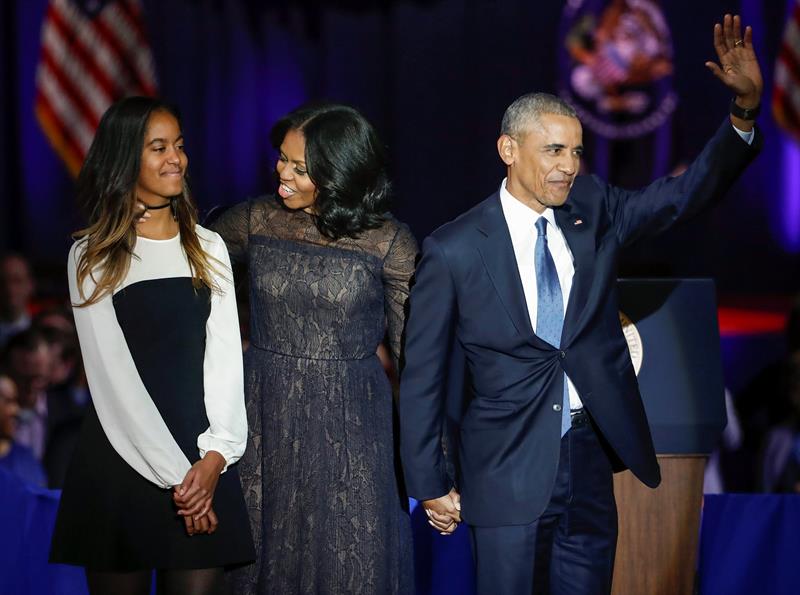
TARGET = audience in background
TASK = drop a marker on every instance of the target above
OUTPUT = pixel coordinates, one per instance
(28, 360)
(16, 290)
(14, 457)
(714, 478)
(780, 462)
(764, 405)
(41, 359)
(67, 394)
(44, 363)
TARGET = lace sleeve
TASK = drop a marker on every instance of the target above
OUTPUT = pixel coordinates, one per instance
(234, 227)
(398, 267)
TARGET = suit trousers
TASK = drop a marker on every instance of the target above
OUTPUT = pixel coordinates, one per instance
(570, 548)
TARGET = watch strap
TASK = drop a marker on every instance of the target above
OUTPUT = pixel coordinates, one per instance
(744, 113)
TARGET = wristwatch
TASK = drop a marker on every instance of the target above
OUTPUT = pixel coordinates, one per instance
(745, 113)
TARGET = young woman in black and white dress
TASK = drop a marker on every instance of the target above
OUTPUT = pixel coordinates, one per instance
(150, 486)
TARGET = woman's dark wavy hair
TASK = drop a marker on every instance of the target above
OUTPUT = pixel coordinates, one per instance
(106, 190)
(347, 163)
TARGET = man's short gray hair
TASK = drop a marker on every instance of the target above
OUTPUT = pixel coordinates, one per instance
(526, 110)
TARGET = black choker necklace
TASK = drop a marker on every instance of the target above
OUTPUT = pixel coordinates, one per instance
(149, 208)
(145, 207)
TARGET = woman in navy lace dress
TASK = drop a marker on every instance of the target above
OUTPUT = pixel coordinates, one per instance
(329, 272)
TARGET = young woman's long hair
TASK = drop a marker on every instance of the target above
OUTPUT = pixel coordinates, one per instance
(106, 190)
(347, 163)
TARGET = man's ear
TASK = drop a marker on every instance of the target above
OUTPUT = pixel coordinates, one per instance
(506, 148)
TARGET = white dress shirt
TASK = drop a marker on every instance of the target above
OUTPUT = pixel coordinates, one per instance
(521, 221)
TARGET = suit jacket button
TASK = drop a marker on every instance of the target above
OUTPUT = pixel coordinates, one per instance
(556, 407)
(563, 354)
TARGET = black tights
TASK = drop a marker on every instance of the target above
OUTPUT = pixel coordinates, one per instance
(203, 581)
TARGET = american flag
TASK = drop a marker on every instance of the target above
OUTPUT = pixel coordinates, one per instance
(92, 53)
(786, 88)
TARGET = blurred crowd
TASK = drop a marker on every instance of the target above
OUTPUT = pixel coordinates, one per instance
(766, 458)
(43, 390)
(44, 394)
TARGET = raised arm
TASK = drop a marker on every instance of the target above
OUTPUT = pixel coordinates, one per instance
(666, 201)
(127, 414)
(725, 156)
(738, 69)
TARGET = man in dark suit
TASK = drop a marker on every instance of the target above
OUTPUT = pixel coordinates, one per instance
(523, 286)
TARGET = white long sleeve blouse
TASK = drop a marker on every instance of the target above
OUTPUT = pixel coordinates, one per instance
(126, 412)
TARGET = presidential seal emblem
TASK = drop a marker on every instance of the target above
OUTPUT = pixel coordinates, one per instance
(616, 65)
(634, 340)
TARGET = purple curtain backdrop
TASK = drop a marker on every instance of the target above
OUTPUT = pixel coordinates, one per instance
(435, 77)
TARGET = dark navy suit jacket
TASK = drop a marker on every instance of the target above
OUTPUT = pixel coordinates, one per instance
(468, 299)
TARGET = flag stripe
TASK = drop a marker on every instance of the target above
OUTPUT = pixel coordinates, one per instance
(790, 62)
(786, 87)
(64, 85)
(105, 56)
(86, 63)
(133, 15)
(113, 21)
(128, 76)
(60, 137)
(786, 109)
(56, 30)
(71, 69)
(63, 107)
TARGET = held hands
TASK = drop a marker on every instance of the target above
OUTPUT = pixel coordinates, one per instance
(194, 495)
(444, 513)
(203, 524)
(738, 67)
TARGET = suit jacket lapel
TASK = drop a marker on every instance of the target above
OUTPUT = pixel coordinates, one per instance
(579, 235)
(501, 265)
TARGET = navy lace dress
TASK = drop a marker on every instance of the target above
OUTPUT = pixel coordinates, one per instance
(319, 472)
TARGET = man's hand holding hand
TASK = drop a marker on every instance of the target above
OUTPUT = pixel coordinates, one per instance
(444, 513)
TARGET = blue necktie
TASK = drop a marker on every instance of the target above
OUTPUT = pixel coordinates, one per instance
(550, 306)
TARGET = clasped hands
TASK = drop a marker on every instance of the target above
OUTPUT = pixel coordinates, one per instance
(195, 494)
(444, 513)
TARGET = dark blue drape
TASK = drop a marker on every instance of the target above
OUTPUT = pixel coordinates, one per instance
(749, 544)
(435, 77)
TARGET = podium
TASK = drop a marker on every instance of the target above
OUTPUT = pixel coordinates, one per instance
(673, 336)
